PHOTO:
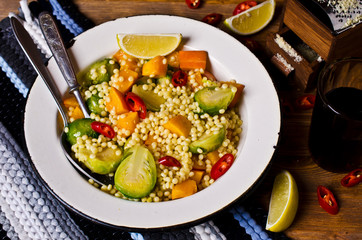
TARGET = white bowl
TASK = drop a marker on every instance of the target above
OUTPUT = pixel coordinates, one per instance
(229, 59)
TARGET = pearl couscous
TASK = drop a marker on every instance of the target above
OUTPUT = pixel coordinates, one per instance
(172, 125)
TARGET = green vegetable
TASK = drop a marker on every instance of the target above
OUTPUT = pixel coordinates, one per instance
(79, 128)
(212, 99)
(208, 142)
(152, 100)
(136, 175)
(103, 162)
(98, 72)
(164, 80)
(145, 80)
(93, 104)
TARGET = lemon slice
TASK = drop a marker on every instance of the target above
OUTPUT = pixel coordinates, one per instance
(252, 20)
(283, 202)
(147, 46)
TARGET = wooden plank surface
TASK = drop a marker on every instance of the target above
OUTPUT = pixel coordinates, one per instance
(292, 153)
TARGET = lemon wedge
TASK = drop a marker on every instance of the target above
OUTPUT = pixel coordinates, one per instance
(147, 46)
(252, 20)
(283, 202)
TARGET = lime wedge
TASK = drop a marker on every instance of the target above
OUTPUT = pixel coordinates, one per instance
(252, 20)
(147, 46)
(283, 202)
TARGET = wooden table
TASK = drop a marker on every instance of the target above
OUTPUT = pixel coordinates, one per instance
(292, 153)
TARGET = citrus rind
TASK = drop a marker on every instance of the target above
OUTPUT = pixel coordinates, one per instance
(290, 208)
(148, 45)
(248, 14)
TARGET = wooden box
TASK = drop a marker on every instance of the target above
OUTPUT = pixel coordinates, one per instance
(312, 30)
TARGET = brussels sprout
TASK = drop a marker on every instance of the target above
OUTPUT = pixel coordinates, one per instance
(152, 100)
(145, 80)
(212, 99)
(136, 175)
(164, 80)
(103, 162)
(79, 128)
(208, 142)
(98, 72)
(93, 104)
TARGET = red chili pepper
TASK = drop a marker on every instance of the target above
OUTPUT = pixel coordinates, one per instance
(103, 129)
(212, 19)
(136, 104)
(305, 102)
(179, 78)
(352, 178)
(251, 44)
(169, 161)
(193, 3)
(241, 7)
(221, 166)
(326, 200)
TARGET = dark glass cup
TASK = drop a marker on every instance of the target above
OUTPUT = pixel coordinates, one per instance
(335, 139)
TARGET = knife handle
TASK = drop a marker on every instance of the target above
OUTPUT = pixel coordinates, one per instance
(56, 45)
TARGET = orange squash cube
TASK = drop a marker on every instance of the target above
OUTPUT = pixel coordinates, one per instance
(126, 79)
(128, 121)
(77, 113)
(198, 174)
(184, 189)
(213, 156)
(190, 60)
(116, 102)
(179, 125)
(156, 67)
(70, 102)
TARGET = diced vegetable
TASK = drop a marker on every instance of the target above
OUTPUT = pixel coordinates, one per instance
(213, 156)
(222, 166)
(127, 78)
(77, 113)
(213, 99)
(70, 102)
(98, 72)
(173, 59)
(93, 104)
(150, 139)
(193, 3)
(164, 80)
(197, 164)
(116, 103)
(127, 62)
(152, 100)
(179, 125)
(212, 19)
(103, 162)
(179, 78)
(169, 161)
(145, 80)
(197, 78)
(327, 200)
(128, 122)
(104, 129)
(198, 174)
(156, 67)
(136, 175)
(238, 94)
(190, 60)
(184, 189)
(208, 142)
(79, 128)
(352, 178)
(136, 104)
